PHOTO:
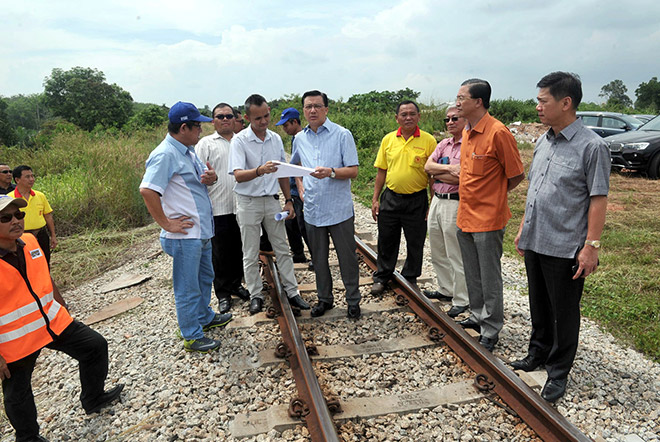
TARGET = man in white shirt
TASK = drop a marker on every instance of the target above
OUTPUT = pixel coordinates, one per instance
(252, 153)
(227, 247)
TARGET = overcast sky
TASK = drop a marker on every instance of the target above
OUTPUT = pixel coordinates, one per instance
(163, 51)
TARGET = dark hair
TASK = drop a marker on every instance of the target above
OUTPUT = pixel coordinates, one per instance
(219, 105)
(398, 106)
(479, 89)
(563, 84)
(18, 171)
(315, 93)
(237, 114)
(294, 119)
(174, 128)
(253, 100)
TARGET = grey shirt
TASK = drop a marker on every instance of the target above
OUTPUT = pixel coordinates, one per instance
(567, 170)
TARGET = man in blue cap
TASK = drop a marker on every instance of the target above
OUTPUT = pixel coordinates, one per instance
(174, 191)
(295, 228)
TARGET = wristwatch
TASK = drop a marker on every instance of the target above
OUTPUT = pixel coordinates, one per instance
(288, 200)
(593, 243)
(333, 174)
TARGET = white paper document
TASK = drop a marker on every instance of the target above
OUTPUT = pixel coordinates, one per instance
(287, 170)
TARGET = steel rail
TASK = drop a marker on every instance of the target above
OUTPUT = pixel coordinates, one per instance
(547, 422)
(315, 414)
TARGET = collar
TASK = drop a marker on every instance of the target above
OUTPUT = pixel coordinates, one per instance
(481, 125)
(569, 131)
(327, 124)
(415, 134)
(182, 148)
(18, 194)
(252, 136)
(19, 242)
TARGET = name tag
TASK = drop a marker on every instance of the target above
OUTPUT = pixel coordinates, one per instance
(36, 253)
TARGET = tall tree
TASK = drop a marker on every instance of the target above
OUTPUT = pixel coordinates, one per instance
(648, 95)
(615, 93)
(385, 101)
(27, 111)
(7, 132)
(81, 96)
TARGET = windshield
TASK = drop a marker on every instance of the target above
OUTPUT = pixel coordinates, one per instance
(654, 124)
(632, 121)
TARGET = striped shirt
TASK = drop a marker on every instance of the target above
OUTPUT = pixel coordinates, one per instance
(214, 149)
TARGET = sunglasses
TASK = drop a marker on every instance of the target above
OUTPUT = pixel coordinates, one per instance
(5, 171)
(224, 117)
(7, 217)
(454, 119)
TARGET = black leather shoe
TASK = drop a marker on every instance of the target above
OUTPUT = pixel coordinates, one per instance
(224, 304)
(320, 308)
(353, 312)
(554, 389)
(434, 294)
(456, 310)
(106, 399)
(470, 323)
(488, 343)
(256, 305)
(528, 363)
(297, 301)
(242, 293)
(378, 288)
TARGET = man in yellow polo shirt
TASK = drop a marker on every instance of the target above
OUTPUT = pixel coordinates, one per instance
(38, 213)
(404, 202)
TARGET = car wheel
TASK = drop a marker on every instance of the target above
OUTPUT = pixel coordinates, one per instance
(654, 167)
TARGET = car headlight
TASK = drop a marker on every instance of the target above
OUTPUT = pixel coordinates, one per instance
(635, 146)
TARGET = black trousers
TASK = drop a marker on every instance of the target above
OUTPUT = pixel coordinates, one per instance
(80, 342)
(43, 238)
(554, 304)
(407, 212)
(227, 256)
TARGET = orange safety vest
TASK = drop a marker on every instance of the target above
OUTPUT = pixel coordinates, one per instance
(25, 323)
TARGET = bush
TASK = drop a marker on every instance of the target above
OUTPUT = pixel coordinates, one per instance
(510, 110)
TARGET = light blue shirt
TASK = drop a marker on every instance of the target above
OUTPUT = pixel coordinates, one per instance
(247, 151)
(174, 171)
(327, 201)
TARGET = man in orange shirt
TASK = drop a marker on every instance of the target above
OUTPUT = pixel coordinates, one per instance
(490, 167)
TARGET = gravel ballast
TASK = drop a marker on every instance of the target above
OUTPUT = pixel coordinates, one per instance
(613, 392)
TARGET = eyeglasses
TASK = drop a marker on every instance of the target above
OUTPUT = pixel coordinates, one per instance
(462, 98)
(313, 106)
(197, 125)
(5, 171)
(452, 119)
(241, 121)
(7, 217)
(224, 116)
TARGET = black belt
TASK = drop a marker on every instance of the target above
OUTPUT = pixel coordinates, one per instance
(447, 196)
(407, 195)
(35, 231)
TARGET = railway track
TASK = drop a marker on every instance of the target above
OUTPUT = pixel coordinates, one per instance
(319, 366)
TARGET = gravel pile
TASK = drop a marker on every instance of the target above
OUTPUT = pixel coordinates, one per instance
(613, 394)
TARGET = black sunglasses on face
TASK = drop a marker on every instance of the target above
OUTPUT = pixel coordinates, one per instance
(5, 171)
(8, 216)
(224, 117)
(452, 119)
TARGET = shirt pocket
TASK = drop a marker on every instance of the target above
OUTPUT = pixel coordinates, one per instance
(476, 164)
(417, 157)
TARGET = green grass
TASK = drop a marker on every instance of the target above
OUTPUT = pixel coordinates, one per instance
(92, 183)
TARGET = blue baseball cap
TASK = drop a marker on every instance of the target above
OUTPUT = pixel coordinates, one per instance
(183, 112)
(287, 114)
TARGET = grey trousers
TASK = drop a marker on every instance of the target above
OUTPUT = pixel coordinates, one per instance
(482, 254)
(344, 241)
(250, 213)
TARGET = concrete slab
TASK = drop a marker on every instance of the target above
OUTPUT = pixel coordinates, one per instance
(252, 424)
(330, 352)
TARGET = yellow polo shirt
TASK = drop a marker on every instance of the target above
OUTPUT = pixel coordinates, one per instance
(36, 209)
(404, 160)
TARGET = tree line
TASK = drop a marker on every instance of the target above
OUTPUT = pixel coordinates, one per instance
(82, 97)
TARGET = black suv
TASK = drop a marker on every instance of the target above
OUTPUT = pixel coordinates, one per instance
(608, 123)
(638, 150)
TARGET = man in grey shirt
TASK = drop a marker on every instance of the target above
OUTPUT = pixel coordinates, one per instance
(559, 235)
